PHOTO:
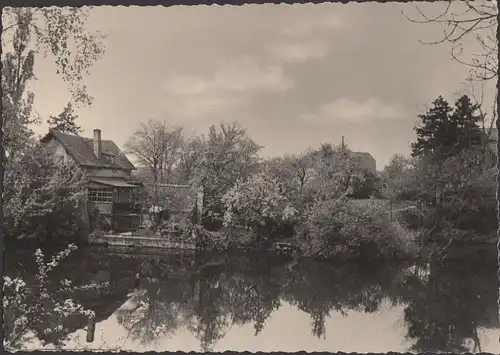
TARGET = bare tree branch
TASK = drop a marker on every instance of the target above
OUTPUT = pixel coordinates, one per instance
(478, 19)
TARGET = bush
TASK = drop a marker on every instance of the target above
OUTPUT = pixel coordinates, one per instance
(42, 308)
(46, 206)
(340, 227)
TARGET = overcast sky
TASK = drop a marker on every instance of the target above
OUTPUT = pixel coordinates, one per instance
(294, 76)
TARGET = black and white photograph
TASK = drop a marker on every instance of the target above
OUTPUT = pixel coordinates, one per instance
(263, 177)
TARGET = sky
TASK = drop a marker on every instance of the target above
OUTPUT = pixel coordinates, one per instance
(294, 76)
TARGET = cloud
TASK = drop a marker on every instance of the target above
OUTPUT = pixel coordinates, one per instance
(186, 85)
(345, 109)
(301, 26)
(300, 51)
(232, 83)
(243, 75)
(196, 106)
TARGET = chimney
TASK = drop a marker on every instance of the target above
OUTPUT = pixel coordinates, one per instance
(97, 143)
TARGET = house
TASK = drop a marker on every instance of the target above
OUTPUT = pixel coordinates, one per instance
(111, 190)
(490, 139)
(367, 162)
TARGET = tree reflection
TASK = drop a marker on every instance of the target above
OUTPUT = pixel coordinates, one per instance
(320, 288)
(444, 303)
(446, 308)
(163, 303)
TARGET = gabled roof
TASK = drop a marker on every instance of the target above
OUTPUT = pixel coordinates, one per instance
(81, 149)
(493, 135)
(364, 155)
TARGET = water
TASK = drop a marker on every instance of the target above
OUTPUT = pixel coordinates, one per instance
(264, 302)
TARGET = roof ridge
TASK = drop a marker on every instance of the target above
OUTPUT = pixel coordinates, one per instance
(80, 148)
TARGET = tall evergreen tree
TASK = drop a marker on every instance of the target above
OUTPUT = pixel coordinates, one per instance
(437, 134)
(65, 121)
(466, 117)
(446, 131)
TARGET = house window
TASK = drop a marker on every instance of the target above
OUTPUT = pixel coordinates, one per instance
(109, 158)
(60, 159)
(124, 195)
(100, 194)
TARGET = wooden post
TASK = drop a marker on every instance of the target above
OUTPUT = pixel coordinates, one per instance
(421, 209)
(199, 205)
(197, 289)
(91, 329)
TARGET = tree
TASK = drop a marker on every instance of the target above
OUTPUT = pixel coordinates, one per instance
(259, 204)
(461, 21)
(44, 200)
(396, 178)
(447, 131)
(294, 173)
(61, 32)
(436, 135)
(190, 159)
(339, 172)
(157, 148)
(229, 155)
(65, 121)
(478, 20)
(466, 117)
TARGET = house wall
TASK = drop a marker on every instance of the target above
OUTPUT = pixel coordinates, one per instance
(56, 149)
(103, 207)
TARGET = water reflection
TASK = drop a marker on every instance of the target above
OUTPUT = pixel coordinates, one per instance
(214, 298)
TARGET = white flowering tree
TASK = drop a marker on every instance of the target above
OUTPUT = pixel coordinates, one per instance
(40, 309)
(229, 155)
(258, 203)
(42, 201)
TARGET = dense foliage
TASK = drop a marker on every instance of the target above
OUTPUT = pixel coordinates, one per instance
(40, 200)
(283, 197)
(65, 121)
(446, 131)
(451, 178)
(444, 191)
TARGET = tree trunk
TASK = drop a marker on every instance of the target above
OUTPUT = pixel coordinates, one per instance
(390, 211)
(2, 231)
(498, 151)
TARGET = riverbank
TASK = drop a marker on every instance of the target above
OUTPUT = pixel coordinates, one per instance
(241, 240)
(142, 241)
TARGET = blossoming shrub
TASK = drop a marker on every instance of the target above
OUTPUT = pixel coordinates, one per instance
(44, 203)
(259, 205)
(339, 227)
(41, 309)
